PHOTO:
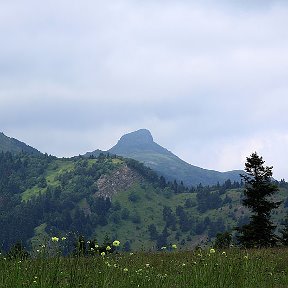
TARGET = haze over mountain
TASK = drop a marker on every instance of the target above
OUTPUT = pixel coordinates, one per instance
(139, 145)
(12, 145)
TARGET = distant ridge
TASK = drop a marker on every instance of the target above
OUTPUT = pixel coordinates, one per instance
(12, 145)
(139, 145)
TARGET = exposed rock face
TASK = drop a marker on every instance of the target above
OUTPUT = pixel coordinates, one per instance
(120, 179)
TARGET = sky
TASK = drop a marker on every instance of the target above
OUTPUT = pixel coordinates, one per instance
(209, 79)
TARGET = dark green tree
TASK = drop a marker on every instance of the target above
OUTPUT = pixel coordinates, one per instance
(284, 232)
(18, 252)
(223, 240)
(258, 191)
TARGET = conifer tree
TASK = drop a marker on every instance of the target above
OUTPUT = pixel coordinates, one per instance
(258, 191)
(284, 232)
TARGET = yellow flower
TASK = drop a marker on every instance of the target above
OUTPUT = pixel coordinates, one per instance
(116, 243)
(55, 239)
(102, 253)
(63, 238)
(212, 251)
(108, 248)
(174, 246)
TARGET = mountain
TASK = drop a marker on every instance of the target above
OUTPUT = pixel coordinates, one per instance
(139, 145)
(43, 196)
(12, 145)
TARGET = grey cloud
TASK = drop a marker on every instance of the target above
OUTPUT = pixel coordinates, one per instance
(201, 76)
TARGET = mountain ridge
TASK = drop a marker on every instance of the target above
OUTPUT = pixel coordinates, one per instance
(139, 145)
(9, 144)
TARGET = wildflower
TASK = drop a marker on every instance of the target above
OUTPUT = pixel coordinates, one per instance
(163, 248)
(139, 270)
(147, 265)
(174, 246)
(116, 243)
(55, 239)
(212, 251)
(107, 263)
(102, 253)
(96, 246)
(63, 238)
(108, 248)
(125, 269)
(246, 257)
(183, 264)
(37, 250)
(224, 253)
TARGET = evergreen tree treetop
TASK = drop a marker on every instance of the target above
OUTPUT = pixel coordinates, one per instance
(258, 191)
(254, 167)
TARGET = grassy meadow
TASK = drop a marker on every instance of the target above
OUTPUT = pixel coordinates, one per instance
(178, 269)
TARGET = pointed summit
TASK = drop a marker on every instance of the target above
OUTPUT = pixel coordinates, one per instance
(139, 136)
(137, 141)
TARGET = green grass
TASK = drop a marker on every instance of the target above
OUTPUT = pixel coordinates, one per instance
(236, 268)
(150, 209)
(56, 168)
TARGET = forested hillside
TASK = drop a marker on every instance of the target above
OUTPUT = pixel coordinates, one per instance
(110, 196)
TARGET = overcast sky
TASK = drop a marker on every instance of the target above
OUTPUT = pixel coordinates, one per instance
(210, 81)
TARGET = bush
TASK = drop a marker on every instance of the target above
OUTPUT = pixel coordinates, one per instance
(223, 240)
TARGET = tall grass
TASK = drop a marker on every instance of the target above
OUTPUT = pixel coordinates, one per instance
(177, 269)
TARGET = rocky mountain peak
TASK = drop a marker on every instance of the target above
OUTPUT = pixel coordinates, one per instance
(140, 136)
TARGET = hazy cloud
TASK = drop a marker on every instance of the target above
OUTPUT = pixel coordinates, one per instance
(209, 80)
